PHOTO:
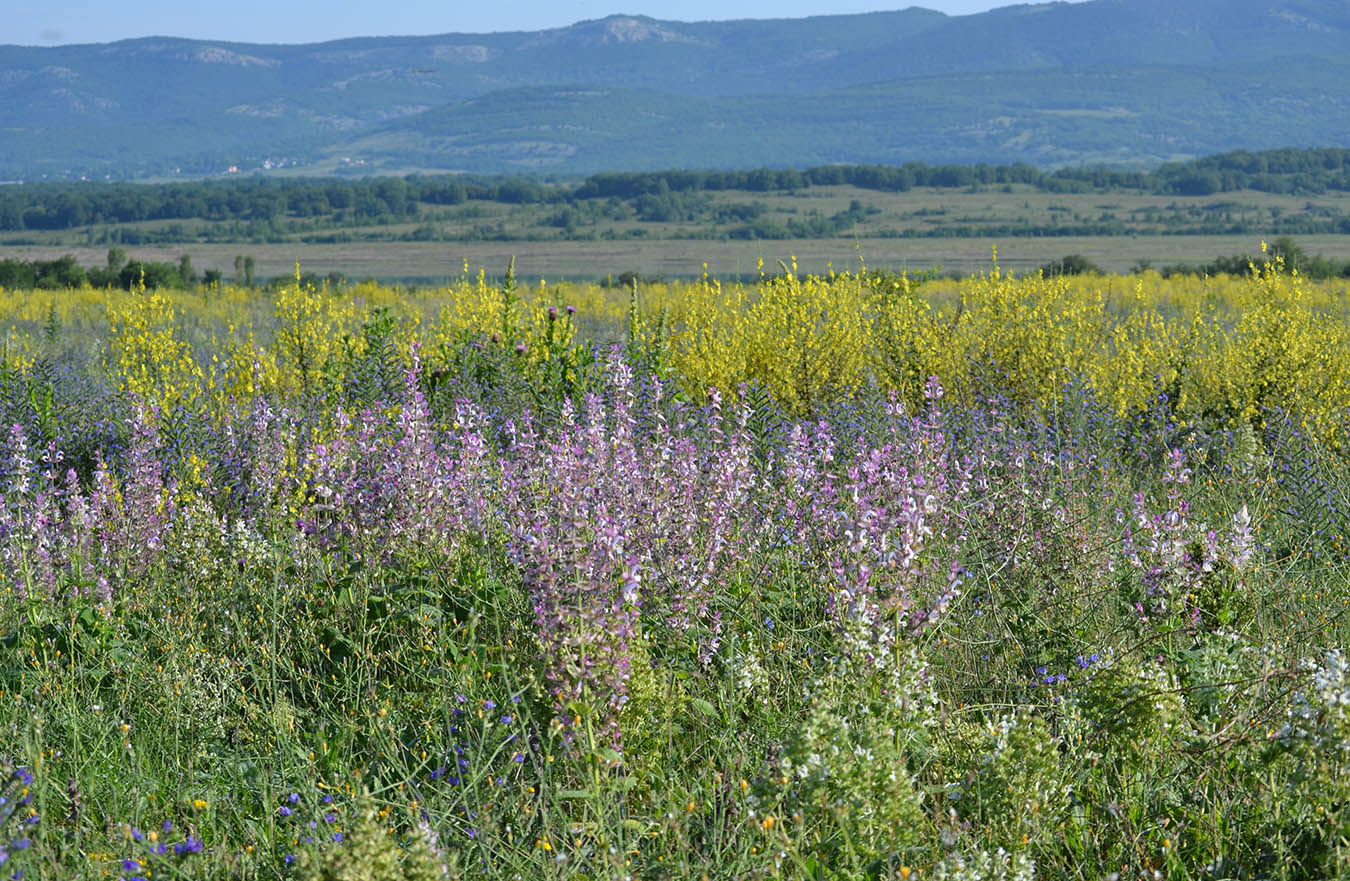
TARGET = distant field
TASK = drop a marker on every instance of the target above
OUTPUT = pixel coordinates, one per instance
(430, 261)
(588, 238)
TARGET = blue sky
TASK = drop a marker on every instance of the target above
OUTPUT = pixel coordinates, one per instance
(50, 22)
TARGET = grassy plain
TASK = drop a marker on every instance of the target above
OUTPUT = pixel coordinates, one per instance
(432, 262)
(920, 229)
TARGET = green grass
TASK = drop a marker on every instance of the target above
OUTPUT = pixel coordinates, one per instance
(428, 262)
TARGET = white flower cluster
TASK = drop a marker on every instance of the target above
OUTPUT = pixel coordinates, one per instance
(1321, 715)
(751, 677)
(248, 546)
(986, 866)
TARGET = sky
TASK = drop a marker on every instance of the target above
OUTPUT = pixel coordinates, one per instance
(53, 22)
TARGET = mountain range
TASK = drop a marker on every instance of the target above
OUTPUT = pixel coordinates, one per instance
(1104, 82)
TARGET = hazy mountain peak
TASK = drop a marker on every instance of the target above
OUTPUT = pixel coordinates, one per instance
(609, 31)
(217, 55)
(464, 53)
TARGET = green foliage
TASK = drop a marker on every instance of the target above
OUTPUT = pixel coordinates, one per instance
(1129, 704)
(372, 854)
(1073, 264)
(1018, 789)
(63, 272)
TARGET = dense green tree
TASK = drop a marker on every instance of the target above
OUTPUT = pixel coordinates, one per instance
(186, 273)
(153, 274)
(17, 275)
(63, 272)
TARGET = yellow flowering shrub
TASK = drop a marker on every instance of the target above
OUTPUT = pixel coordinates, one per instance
(146, 353)
(310, 325)
(1226, 347)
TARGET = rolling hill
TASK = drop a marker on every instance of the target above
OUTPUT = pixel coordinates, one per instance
(1121, 82)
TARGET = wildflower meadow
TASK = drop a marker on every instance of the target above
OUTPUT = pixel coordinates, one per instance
(849, 576)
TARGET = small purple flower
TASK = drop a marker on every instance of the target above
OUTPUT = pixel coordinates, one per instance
(293, 797)
(191, 845)
(507, 720)
(284, 811)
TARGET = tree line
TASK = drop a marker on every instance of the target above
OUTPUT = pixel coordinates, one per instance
(58, 206)
(66, 272)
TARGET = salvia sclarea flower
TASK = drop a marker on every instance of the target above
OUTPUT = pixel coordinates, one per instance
(50, 537)
(621, 522)
(24, 516)
(806, 491)
(269, 435)
(699, 516)
(572, 522)
(63, 539)
(892, 501)
(386, 479)
(1173, 555)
